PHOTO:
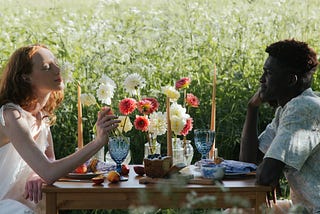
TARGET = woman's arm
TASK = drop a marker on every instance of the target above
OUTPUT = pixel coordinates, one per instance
(17, 131)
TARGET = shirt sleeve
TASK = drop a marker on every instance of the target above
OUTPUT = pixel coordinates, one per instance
(297, 134)
(267, 136)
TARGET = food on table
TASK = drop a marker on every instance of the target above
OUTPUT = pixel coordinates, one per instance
(98, 179)
(93, 165)
(124, 169)
(113, 176)
(81, 169)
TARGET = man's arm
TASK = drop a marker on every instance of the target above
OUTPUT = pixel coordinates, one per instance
(249, 151)
(269, 172)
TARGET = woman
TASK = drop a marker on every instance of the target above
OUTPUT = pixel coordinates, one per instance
(31, 88)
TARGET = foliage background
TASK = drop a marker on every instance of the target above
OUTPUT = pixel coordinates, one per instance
(163, 41)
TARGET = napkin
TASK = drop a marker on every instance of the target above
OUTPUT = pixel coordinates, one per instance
(101, 166)
(232, 166)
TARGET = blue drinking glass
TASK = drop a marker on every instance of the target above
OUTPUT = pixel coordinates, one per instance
(203, 139)
(119, 148)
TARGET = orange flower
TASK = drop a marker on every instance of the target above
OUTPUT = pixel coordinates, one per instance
(192, 100)
(183, 83)
(141, 123)
(127, 106)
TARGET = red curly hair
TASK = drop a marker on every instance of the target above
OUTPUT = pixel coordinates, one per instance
(15, 89)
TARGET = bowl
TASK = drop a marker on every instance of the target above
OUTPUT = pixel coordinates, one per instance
(139, 170)
(212, 171)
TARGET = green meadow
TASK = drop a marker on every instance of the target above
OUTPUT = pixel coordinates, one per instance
(162, 41)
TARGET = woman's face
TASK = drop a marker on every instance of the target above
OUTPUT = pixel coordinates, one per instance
(46, 75)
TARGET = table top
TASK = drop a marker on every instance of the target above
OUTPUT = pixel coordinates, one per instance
(239, 184)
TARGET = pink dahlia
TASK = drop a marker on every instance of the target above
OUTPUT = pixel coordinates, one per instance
(127, 106)
(183, 83)
(148, 105)
(141, 123)
(192, 100)
(188, 127)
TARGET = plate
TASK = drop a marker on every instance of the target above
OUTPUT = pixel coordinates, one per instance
(88, 175)
(239, 174)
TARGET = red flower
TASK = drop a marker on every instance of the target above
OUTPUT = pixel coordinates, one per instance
(127, 106)
(192, 100)
(183, 83)
(141, 123)
(188, 127)
(148, 105)
(144, 106)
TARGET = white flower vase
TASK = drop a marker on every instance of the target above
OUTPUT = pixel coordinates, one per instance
(154, 148)
(177, 151)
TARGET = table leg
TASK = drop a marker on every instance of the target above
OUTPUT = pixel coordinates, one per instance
(260, 203)
(51, 203)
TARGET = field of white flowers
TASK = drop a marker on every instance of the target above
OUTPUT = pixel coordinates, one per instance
(163, 41)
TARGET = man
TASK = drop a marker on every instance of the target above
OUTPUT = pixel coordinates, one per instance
(291, 142)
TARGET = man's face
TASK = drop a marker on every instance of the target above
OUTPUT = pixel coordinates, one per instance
(274, 80)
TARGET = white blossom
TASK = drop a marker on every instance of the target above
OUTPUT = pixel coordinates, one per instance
(88, 99)
(125, 124)
(133, 83)
(158, 123)
(171, 92)
(105, 93)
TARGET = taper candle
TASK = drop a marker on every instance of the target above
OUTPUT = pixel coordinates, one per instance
(169, 133)
(80, 129)
(213, 109)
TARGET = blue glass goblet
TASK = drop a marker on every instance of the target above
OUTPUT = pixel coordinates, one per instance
(119, 148)
(203, 139)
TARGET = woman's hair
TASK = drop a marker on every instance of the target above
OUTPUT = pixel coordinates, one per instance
(297, 57)
(16, 88)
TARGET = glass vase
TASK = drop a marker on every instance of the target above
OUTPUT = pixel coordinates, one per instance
(177, 151)
(188, 152)
(100, 154)
(152, 148)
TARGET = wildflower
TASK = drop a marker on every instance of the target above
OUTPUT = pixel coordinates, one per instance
(147, 105)
(187, 127)
(183, 83)
(171, 92)
(192, 100)
(157, 123)
(127, 106)
(133, 83)
(141, 123)
(105, 93)
(88, 99)
(125, 125)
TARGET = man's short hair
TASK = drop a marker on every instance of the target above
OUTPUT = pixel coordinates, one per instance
(295, 55)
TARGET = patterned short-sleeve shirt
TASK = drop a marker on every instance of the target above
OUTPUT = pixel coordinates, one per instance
(293, 137)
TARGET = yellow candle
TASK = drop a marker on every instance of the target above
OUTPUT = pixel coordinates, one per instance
(169, 133)
(80, 131)
(213, 109)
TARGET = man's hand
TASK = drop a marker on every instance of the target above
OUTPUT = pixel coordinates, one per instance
(33, 188)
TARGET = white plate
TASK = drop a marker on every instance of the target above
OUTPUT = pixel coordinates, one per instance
(88, 175)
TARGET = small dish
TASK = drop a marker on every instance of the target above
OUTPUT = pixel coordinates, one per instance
(139, 170)
(212, 171)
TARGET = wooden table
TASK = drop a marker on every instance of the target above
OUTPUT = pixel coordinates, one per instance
(122, 195)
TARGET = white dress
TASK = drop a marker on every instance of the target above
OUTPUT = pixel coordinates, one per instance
(14, 171)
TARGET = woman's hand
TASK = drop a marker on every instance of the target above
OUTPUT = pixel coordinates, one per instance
(106, 122)
(33, 188)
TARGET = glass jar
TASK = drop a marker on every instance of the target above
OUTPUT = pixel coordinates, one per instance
(188, 152)
(100, 154)
(152, 148)
(177, 151)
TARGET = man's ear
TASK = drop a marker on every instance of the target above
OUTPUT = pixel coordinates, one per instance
(293, 79)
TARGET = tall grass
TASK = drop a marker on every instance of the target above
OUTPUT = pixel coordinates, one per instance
(163, 41)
